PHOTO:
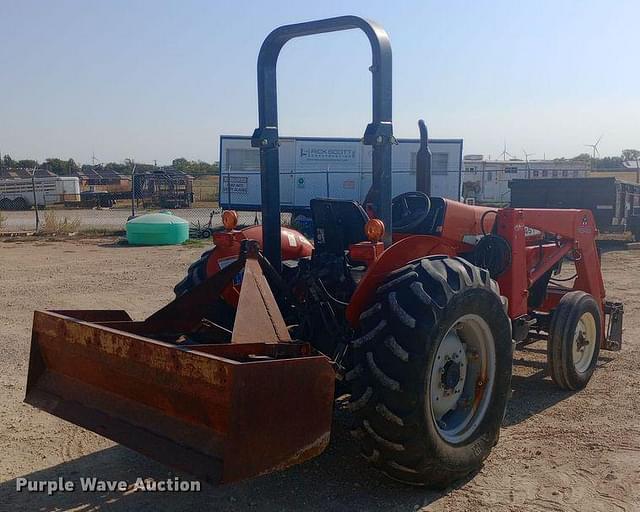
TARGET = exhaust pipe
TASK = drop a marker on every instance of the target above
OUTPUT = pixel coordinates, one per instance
(423, 161)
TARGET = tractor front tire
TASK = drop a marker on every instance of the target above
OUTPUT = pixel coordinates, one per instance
(574, 340)
(432, 372)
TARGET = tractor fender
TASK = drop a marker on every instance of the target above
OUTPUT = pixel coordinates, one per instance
(401, 253)
(293, 243)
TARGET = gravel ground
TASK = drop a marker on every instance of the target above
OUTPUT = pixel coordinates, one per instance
(558, 450)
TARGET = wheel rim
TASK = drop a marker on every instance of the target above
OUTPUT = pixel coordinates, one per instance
(584, 342)
(460, 385)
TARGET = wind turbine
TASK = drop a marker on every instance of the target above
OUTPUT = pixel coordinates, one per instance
(594, 147)
(505, 153)
(526, 159)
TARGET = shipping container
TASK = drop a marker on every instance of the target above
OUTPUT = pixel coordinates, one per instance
(615, 204)
(329, 167)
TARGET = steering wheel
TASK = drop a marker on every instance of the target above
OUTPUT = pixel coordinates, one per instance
(409, 210)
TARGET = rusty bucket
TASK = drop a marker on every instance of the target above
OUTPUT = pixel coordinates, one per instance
(223, 411)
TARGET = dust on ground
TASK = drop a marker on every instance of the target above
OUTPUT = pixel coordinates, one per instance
(558, 450)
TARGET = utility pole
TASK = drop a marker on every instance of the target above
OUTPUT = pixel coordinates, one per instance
(35, 198)
(133, 190)
(526, 159)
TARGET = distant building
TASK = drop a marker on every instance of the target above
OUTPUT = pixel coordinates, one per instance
(487, 181)
(20, 173)
(100, 179)
(330, 167)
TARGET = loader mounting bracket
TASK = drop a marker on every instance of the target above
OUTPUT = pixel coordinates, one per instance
(613, 338)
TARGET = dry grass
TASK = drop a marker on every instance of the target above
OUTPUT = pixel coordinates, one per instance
(2, 220)
(205, 189)
(54, 224)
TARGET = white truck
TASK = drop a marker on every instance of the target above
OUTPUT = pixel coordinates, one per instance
(330, 167)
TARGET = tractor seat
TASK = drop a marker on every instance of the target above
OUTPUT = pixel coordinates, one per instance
(338, 223)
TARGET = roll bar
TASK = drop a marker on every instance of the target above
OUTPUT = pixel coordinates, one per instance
(378, 133)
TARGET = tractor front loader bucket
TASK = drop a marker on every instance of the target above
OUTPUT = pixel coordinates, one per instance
(224, 409)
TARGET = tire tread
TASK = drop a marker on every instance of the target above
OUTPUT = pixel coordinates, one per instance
(385, 402)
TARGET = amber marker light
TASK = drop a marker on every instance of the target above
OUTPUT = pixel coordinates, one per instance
(374, 229)
(229, 219)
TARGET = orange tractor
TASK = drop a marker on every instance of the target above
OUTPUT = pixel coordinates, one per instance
(413, 305)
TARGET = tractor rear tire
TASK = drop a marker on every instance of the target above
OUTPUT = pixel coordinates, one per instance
(196, 274)
(574, 340)
(432, 372)
(220, 312)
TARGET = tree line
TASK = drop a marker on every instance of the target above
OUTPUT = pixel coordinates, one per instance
(199, 168)
(608, 162)
(69, 167)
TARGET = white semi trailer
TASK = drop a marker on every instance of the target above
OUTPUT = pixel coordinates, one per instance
(17, 193)
(330, 167)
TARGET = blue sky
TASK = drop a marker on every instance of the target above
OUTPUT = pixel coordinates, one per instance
(155, 79)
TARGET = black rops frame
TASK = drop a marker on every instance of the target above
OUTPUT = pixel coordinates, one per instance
(378, 133)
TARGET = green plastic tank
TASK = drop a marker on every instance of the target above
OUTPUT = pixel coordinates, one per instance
(162, 228)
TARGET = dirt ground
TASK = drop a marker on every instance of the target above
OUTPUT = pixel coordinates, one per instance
(558, 450)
